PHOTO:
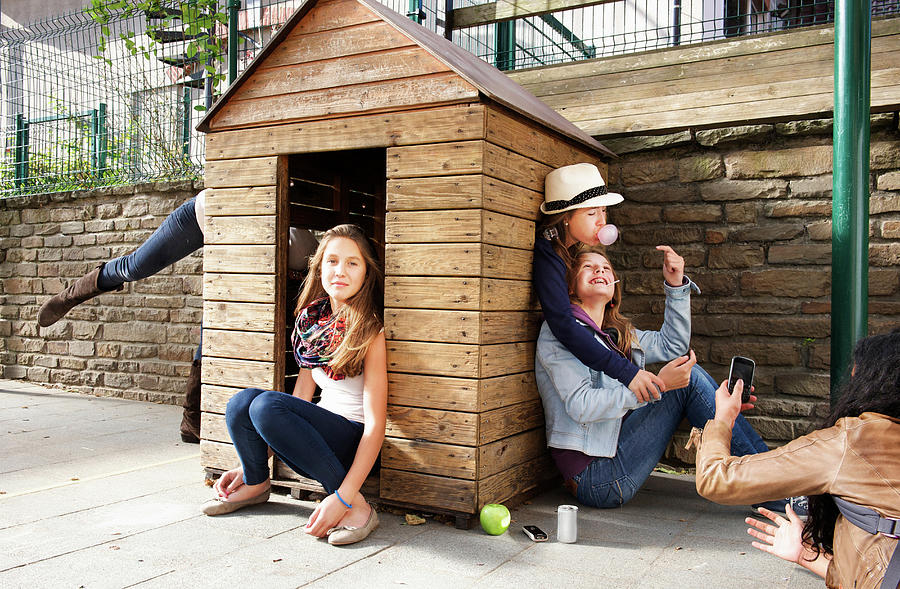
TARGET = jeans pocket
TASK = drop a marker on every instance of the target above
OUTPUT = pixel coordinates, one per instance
(609, 494)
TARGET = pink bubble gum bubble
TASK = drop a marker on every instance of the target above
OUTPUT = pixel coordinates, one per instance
(608, 234)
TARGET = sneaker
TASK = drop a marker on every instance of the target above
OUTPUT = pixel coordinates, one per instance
(799, 504)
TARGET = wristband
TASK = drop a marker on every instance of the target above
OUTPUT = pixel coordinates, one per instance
(342, 500)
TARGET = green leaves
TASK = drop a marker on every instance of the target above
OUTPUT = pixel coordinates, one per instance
(190, 28)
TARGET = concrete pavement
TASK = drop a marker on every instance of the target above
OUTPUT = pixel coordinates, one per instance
(100, 492)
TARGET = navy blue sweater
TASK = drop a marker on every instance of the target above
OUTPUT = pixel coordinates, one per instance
(550, 283)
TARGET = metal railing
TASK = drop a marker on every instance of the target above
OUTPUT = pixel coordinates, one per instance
(71, 120)
(629, 26)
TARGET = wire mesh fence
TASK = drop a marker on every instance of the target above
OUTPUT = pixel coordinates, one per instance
(72, 120)
(82, 107)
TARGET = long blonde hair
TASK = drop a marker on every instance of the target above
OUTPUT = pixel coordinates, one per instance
(363, 313)
(612, 314)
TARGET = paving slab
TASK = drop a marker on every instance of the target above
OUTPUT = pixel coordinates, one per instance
(99, 492)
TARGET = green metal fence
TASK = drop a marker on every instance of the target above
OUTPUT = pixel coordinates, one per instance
(72, 120)
(628, 26)
(81, 107)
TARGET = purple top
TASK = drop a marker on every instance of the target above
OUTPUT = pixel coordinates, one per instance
(570, 462)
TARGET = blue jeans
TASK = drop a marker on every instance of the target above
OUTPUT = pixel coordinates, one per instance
(645, 433)
(312, 441)
(177, 236)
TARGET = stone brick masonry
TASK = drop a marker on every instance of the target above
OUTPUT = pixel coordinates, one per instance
(136, 343)
(750, 209)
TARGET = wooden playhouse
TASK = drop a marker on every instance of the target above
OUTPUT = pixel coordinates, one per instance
(353, 113)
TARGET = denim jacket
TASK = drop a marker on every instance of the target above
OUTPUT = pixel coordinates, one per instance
(583, 408)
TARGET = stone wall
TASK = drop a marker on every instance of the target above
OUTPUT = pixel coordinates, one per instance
(137, 343)
(750, 210)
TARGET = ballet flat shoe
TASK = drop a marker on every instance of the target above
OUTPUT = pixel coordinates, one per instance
(218, 506)
(342, 535)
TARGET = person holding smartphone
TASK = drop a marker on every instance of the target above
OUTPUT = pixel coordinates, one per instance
(604, 437)
(847, 467)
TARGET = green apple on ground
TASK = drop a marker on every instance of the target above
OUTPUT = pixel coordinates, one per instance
(494, 518)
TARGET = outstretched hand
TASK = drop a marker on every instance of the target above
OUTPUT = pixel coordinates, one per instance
(728, 405)
(784, 539)
(673, 266)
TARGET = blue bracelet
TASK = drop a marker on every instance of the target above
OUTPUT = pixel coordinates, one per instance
(342, 500)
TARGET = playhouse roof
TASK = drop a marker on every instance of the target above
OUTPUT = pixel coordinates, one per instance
(489, 81)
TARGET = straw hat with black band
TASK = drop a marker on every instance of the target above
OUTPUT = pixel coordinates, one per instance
(578, 186)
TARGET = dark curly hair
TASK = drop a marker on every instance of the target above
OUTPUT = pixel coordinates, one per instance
(874, 386)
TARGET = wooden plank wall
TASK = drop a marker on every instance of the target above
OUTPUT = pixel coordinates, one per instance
(340, 59)
(465, 424)
(244, 273)
(779, 76)
(243, 166)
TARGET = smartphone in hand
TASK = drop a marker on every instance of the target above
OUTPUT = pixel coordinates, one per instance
(741, 369)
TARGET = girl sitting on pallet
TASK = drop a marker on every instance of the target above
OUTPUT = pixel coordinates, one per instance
(338, 342)
(604, 438)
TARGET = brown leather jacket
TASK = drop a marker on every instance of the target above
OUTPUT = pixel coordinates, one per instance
(858, 459)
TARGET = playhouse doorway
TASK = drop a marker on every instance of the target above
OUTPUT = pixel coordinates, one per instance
(324, 190)
(328, 189)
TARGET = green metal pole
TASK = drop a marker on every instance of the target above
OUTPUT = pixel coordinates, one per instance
(234, 7)
(186, 122)
(101, 140)
(95, 140)
(415, 11)
(850, 208)
(505, 33)
(448, 20)
(21, 153)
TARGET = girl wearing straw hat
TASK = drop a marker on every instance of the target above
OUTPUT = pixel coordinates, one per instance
(575, 201)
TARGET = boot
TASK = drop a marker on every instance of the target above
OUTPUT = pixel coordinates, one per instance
(190, 419)
(56, 307)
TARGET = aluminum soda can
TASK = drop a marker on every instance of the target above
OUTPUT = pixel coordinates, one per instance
(567, 523)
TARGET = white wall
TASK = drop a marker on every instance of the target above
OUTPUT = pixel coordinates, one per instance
(17, 13)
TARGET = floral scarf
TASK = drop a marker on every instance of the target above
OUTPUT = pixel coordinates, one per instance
(317, 333)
